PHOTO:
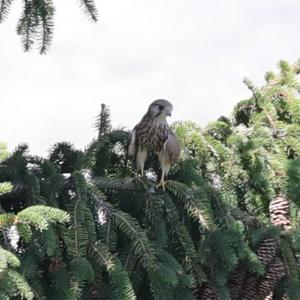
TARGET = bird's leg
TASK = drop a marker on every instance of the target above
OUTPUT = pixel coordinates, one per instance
(140, 160)
(162, 182)
(165, 168)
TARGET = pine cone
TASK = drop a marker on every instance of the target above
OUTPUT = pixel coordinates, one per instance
(267, 250)
(208, 294)
(235, 282)
(279, 209)
(269, 297)
(250, 290)
(274, 273)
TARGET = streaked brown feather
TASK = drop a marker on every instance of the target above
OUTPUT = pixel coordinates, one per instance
(151, 135)
(172, 148)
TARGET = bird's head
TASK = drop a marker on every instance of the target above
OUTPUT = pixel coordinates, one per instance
(160, 109)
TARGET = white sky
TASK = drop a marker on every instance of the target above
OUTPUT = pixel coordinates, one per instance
(193, 52)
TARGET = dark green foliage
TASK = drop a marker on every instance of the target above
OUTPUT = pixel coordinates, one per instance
(12, 282)
(293, 182)
(36, 23)
(227, 226)
(119, 280)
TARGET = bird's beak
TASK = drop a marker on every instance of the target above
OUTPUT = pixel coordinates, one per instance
(168, 113)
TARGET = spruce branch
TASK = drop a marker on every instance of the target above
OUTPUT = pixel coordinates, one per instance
(8, 259)
(118, 184)
(90, 9)
(25, 27)
(46, 28)
(103, 122)
(198, 209)
(76, 228)
(4, 9)
(37, 21)
(191, 262)
(21, 284)
(119, 278)
(142, 246)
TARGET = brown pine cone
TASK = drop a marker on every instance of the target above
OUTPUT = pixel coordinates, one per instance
(267, 250)
(279, 209)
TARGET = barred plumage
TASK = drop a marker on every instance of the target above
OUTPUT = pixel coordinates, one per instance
(151, 135)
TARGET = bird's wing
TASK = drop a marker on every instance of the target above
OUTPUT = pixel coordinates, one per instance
(172, 148)
(132, 144)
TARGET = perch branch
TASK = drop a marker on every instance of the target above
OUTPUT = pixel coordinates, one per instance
(120, 184)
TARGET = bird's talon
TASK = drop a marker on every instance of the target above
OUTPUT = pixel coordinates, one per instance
(162, 184)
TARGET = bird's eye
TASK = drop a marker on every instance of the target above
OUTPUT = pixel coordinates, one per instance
(160, 107)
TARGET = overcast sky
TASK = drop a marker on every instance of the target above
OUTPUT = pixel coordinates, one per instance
(193, 52)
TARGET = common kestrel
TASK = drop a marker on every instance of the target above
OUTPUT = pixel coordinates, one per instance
(153, 133)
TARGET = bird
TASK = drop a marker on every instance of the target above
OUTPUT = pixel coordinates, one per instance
(153, 134)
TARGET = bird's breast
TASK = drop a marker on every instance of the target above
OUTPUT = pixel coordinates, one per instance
(152, 135)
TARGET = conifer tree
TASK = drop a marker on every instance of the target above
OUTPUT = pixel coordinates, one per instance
(227, 226)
